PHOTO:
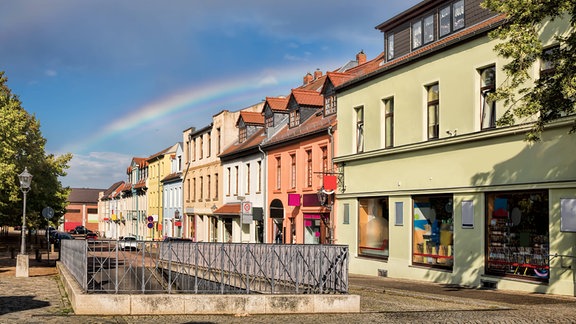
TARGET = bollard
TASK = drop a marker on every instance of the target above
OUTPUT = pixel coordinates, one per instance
(12, 253)
(38, 255)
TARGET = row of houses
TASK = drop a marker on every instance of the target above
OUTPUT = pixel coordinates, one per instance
(398, 157)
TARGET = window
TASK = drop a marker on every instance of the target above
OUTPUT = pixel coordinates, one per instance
(433, 231)
(218, 147)
(324, 159)
(359, 129)
(308, 168)
(278, 173)
(237, 176)
(209, 141)
(330, 105)
(193, 148)
(433, 99)
(373, 221)
(259, 183)
(229, 181)
(389, 122)
(517, 235)
(487, 87)
(209, 185)
(201, 144)
(201, 188)
(416, 34)
(216, 183)
(293, 171)
(294, 118)
(194, 190)
(242, 134)
(390, 47)
(452, 18)
(247, 178)
(188, 189)
(270, 121)
(547, 62)
(429, 29)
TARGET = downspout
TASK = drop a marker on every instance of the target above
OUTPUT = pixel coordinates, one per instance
(331, 226)
(263, 176)
(184, 215)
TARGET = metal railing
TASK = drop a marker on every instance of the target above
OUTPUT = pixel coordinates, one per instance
(207, 268)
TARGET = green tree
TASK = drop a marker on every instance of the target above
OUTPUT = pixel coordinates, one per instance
(551, 95)
(22, 145)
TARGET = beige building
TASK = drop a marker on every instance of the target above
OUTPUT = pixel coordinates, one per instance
(434, 189)
(202, 175)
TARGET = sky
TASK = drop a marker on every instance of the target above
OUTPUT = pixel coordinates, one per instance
(110, 80)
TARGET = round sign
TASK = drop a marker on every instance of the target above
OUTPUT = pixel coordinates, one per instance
(48, 212)
(246, 207)
(150, 225)
(150, 220)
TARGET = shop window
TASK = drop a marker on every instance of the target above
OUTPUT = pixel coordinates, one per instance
(373, 233)
(433, 231)
(312, 229)
(487, 87)
(517, 235)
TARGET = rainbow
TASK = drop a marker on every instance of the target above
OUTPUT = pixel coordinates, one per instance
(207, 98)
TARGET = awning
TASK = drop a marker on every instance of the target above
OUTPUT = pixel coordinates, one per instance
(230, 209)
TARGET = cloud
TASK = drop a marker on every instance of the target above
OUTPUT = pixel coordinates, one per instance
(96, 170)
(51, 73)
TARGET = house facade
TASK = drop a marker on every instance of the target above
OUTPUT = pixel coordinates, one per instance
(108, 220)
(133, 202)
(82, 209)
(434, 188)
(243, 181)
(172, 196)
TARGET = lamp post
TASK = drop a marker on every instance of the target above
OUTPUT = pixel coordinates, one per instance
(22, 264)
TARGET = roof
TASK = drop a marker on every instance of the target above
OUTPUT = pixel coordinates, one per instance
(307, 97)
(313, 125)
(172, 176)
(140, 162)
(251, 142)
(228, 209)
(112, 191)
(84, 195)
(475, 30)
(165, 151)
(251, 118)
(277, 104)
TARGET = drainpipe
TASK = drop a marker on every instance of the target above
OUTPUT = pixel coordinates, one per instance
(183, 183)
(265, 191)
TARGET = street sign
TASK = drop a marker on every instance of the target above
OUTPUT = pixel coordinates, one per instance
(246, 210)
(48, 212)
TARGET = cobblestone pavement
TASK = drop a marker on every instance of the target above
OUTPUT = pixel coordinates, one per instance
(40, 298)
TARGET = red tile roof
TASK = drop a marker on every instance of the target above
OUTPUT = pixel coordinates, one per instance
(252, 118)
(251, 142)
(315, 124)
(277, 103)
(307, 97)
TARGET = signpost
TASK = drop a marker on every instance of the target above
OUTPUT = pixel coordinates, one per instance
(48, 213)
(245, 216)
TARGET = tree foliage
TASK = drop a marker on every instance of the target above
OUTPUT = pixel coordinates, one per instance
(551, 95)
(22, 145)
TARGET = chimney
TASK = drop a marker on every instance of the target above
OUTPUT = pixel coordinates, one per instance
(308, 78)
(361, 57)
(317, 74)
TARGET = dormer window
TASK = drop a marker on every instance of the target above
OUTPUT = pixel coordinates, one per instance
(242, 135)
(423, 31)
(390, 47)
(329, 105)
(451, 18)
(270, 121)
(294, 118)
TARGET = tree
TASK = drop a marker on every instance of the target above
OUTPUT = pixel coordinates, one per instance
(552, 95)
(22, 145)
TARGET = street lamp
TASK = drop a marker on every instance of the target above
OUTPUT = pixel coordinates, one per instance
(22, 260)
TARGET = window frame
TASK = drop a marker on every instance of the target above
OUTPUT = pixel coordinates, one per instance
(388, 117)
(293, 170)
(433, 128)
(390, 47)
(416, 34)
(445, 30)
(486, 105)
(309, 168)
(330, 105)
(294, 118)
(359, 113)
(370, 234)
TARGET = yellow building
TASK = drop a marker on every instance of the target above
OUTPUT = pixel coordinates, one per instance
(159, 166)
(434, 190)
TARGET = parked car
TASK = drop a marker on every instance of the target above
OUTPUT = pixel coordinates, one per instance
(91, 236)
(127, 243)
(176, 239)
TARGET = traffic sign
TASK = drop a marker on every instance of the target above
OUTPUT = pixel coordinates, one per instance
(246, 210)
(48, 212)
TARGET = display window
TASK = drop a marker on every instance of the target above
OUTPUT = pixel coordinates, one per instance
(517, 234)
(433, 231)
(373, 233)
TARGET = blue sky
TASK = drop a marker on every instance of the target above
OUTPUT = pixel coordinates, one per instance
(113, 79)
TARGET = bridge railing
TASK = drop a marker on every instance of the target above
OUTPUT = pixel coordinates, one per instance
(208, 268)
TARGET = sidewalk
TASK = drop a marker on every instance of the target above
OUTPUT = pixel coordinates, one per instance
(40, 298)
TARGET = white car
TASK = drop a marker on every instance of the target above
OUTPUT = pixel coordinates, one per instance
(128, 243)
